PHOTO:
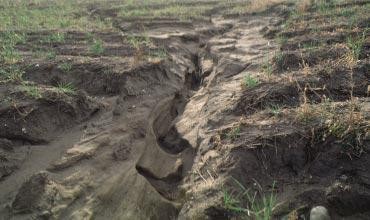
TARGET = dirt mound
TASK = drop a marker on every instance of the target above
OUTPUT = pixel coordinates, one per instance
(23, 118)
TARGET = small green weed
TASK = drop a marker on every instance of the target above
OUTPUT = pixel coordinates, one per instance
(281, 39)
(324, 7)
(50, 55)
(54, 38)
(137, 41)
(355, 44)
(279, 59)
(354, 21)
(9, 55)
(65, 67)
(250, 82)
(11, 73)
(234, 133)
(45, 54)
(311, 45)
(12, 38)
(32, 91)
(346, 12)
(231, 203)
(97, 47)
(254, 204)
(275, 110)
(66, 88)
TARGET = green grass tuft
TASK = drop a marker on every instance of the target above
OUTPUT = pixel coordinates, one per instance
(54, 38)
(250, 82)
(355, 44)
(97, 47)
(65, 67)
(251, 204)
(138, 42)
(32, 91)
(11, 73)
(234, 133)
(66, 88)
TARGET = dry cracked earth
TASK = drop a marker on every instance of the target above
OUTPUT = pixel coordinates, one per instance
(174, 112)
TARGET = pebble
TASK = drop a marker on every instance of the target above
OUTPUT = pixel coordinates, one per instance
(319, 213)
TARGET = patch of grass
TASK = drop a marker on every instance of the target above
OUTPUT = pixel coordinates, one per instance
(50, 55)
(160, 53)
(54, 38)
(66, 88)
(126, 13)
(349, 129)
(8, 41)
(234, 133)
(275, 110)
(97, 47)
(311, 45)
(178, 10)
(45, 54)
(288, 22)
(11, 73)
(61, 14)
(9, 55)
(324, 7)
(252, 6)
(251, 204)
(65, 67)
(314, 28)
(354, 21)
(344, 122)
(9, 37)
(139, 41)
(296, 14)
(281, 39)
(346, 12)
(355, 44)
(32, 91)
(250, 82)
(231, 203)
(90, 37)
(279, 59)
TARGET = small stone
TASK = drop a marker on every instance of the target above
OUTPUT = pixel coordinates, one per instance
(319, 213)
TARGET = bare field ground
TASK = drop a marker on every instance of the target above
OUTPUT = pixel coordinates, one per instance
(196, 109)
